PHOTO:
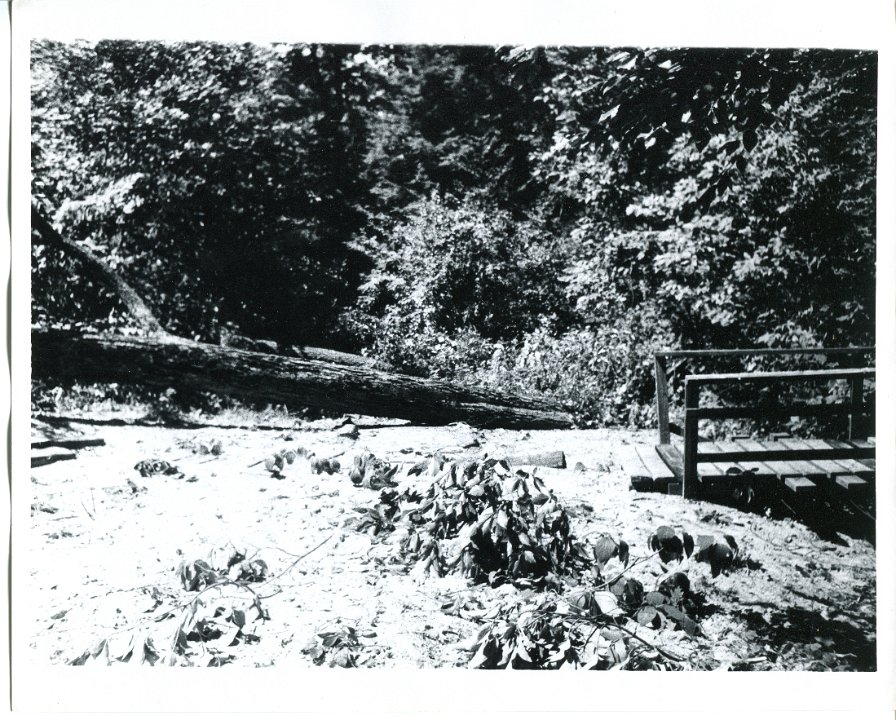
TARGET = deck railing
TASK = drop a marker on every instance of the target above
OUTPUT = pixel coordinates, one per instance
(851, 408)
(693, 413)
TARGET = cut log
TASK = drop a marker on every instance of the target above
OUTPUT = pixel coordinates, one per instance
(553, 459)
(72, 444)
(45, 458)
(168, 361)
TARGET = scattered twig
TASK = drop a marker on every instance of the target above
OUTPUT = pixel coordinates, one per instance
(629, 567)
(665, 653)
(298, 558)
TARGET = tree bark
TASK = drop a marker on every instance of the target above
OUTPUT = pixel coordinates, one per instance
(169, 361)
(304, 352)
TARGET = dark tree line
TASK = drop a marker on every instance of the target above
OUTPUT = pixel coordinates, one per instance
(527, 219)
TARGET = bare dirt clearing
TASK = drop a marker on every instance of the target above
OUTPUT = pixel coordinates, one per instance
(112, 557)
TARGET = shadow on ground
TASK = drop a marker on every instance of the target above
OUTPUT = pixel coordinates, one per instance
(805, 637)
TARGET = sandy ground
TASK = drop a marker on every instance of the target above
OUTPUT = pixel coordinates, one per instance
(107, 545)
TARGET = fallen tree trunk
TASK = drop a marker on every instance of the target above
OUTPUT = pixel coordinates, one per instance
(168, 361)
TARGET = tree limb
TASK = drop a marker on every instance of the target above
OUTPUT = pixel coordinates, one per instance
(138, 309)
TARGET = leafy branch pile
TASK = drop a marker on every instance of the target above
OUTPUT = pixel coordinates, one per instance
(222, 611)
(337, 646)
(613, 624)
(484, 520)
(593, 631)
(496, 525)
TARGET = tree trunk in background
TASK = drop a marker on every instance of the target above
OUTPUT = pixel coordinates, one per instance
(167, 361)
(138, 309)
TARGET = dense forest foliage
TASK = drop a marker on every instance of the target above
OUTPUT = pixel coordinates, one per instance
(535, 219)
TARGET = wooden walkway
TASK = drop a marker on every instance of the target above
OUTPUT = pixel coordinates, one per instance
(661, 468)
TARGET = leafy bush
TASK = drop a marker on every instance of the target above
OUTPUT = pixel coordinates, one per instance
(603, 374)
(455, 272)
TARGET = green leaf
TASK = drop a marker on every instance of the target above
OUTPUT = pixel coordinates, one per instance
(646, 615)
(607, 602)
(604, 548)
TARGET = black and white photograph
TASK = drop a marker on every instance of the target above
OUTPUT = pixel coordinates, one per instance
(402, 356)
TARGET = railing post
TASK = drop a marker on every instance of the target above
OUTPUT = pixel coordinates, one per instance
(691, 403)
(662, 397)
(856, 400)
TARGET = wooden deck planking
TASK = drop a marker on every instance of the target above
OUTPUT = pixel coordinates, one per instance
(851, 483)
(863, 443)
(811, 468)
(663, 465)
(780, 468)
(863, 468)
(759, 469)
(725, 466)
(763, 470)
(800, 484)
(709, 471)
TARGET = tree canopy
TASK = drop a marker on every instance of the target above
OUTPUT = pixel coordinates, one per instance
(537, 218)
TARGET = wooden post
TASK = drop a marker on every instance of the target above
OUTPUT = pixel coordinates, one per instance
(662, 397)
(857, 400)
(691, 404)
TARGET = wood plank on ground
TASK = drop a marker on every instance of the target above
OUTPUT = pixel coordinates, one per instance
(69, 444)
(673, 458)
(655, 466)
(633, 467)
